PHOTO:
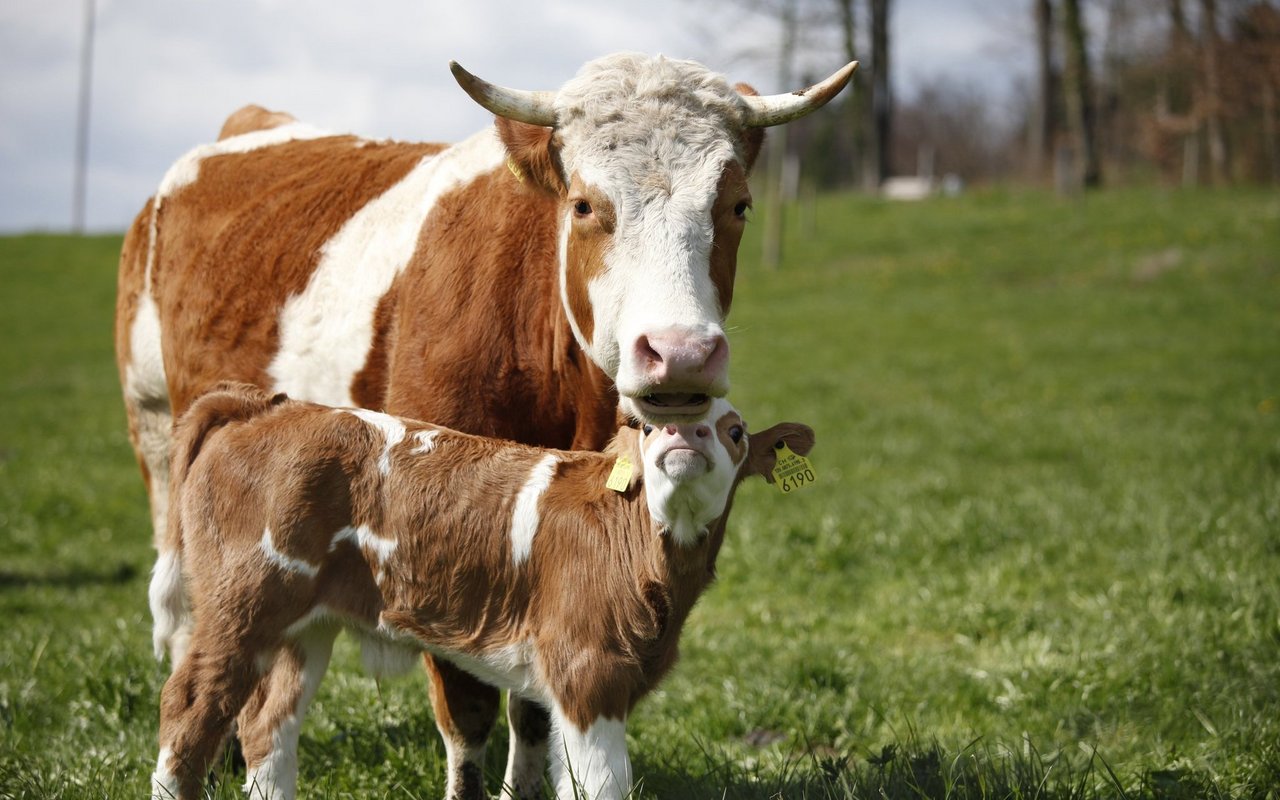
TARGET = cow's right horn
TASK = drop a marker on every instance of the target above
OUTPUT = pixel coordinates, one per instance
(535, 108)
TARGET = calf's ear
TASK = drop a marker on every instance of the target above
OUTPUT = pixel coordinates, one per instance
(762, 452)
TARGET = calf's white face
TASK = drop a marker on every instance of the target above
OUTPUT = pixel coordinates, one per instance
(690, 469)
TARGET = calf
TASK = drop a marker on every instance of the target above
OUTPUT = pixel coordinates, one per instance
(516, 563)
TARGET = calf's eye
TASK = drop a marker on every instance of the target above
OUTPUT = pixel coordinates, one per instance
(582, 208)
(740, 210)
(735, 433)
(648, 429)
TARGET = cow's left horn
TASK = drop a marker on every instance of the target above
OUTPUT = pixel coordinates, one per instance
(775, 109)
(535, 108)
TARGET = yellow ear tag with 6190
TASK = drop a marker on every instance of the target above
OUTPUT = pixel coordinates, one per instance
(792, 471)
(620, 477)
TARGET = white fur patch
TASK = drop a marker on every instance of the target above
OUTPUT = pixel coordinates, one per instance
(525, 517)
(426, 442)
(393, 432)
(366, 540)
(327, 330)
(164, 785)
(168, 599)
(284, 562)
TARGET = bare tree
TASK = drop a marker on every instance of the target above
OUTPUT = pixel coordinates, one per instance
(1081, 114)
(881, 96)
(1043, 122)
(1210, 44)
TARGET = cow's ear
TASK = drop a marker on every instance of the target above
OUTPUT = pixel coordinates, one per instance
(531, 155)
(762, 452)
(752, 138)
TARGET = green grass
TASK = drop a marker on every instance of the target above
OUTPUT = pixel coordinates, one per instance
(1042, 558)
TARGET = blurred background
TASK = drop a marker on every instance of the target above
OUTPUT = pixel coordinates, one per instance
(98, 97)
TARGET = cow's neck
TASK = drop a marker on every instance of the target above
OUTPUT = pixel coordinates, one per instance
(512, 368)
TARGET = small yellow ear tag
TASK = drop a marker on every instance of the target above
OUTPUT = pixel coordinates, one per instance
(620, 477)
(515, 170)
(793, 471)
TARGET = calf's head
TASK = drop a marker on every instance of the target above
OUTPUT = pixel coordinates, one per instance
(691, 469)
(649, 158)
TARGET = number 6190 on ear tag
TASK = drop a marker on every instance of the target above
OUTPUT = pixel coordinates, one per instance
(792, 471)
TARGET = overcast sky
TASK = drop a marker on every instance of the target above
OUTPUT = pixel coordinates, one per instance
(166, 72)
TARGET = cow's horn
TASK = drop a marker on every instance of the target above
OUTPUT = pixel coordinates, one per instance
(523, 106)
(775, 109)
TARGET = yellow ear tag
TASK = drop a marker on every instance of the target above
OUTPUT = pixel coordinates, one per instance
(620, 478)
(515, 170)
(793, 471)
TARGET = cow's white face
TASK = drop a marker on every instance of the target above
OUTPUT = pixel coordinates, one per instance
(656, 199)
(649, 157)
(646, 274)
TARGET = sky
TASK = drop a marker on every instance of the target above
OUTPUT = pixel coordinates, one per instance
(166, 74)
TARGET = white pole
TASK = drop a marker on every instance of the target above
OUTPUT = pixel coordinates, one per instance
(82, 120)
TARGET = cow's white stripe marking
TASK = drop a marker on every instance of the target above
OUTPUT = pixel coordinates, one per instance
(426, 442)
(365, 539)
(284, 562)
(525, 517)
(327, 330)
(393, 432)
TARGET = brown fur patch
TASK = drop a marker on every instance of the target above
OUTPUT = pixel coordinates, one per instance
(728, 227)
(752, 138)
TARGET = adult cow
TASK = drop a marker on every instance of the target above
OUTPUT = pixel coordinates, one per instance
(519, 284)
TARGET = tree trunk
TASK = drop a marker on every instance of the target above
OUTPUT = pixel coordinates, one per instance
(881, 97)
(776, 143)
(854, 104)
(1079, 96)
(1042, 123)
(1212, 97)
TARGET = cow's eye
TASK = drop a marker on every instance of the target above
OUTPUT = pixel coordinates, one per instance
(741, 209)
(582, 208)
(648, 429)
(735, 433)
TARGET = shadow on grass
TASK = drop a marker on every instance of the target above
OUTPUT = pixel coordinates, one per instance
(71, 577)
(917, 770)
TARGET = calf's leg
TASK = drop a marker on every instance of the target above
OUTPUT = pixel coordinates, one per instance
(272, 719)
(590, 761)
(465, 710)
(197, 705)
(530, 725)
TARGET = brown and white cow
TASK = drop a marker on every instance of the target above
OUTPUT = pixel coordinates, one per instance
(527, 566)
(518, 284)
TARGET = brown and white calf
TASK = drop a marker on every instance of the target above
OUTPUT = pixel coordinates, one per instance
(578, 252)
(517, 564)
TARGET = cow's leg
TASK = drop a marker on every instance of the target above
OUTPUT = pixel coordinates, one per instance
(527, 755)
(590, 761)
(197, 705)
(465, 710)
(272, 719)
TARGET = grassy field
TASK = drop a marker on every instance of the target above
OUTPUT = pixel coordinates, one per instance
(1042, 558)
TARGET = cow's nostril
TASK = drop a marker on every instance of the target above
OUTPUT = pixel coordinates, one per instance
(647, 353)
(702, 432)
